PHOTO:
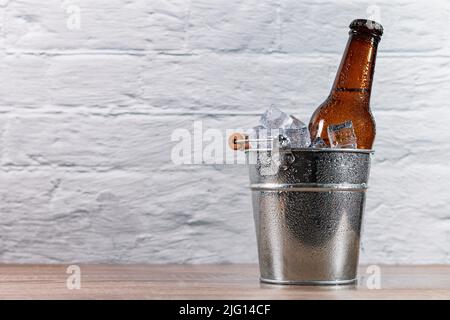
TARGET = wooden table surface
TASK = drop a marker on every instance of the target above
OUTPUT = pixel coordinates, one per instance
(210, 282)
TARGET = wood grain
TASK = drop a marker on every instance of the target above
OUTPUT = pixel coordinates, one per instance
(210, 282)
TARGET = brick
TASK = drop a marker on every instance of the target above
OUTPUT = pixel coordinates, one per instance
(99, 142)
(230, 26)
(120, 216)
(311, 27)
(104, 25)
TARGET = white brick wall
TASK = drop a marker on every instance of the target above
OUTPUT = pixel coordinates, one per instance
(86, 118)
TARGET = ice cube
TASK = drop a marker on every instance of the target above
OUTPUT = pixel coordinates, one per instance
(342, 135)
(297, 138)
(274, 118)
(259, 138)
(297, 133)
(294, 133)
(281, 141)
(295, 124)
(318, 143)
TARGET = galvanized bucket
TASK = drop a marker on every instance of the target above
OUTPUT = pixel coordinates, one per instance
(308, 207)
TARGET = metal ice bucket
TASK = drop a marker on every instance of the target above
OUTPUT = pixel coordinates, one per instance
(308, 211)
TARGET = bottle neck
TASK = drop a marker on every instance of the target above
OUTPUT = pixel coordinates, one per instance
(356, 70)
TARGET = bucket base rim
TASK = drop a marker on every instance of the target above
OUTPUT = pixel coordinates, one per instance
(309, 282)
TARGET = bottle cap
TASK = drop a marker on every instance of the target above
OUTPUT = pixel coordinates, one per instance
(367, 26)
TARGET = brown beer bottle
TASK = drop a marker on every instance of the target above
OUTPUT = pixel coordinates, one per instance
(350, 95)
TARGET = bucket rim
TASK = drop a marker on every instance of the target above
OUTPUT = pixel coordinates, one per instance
(310, 282)
(337, 150)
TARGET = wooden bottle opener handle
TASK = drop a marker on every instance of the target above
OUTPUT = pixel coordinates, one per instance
(238, 141)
